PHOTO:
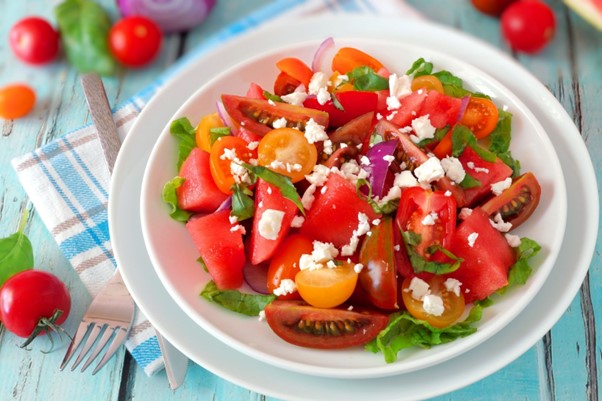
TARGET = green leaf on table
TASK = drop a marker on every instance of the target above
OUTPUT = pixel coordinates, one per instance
(16, 253)
(170, 197)
(236, 301)
(185, 133)
(84, 26)
(283, 183)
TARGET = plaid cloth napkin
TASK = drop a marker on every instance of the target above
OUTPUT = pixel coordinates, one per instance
(69, 186)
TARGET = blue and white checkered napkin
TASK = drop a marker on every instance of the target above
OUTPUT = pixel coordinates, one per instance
(67, 181)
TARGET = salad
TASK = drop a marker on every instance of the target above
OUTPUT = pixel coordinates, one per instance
(365, 205)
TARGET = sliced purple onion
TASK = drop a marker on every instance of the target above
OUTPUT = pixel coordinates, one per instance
(462, 109)
(170, 15)
(256, 276)
(378, 167)
(225, 205)
(316, 64)
(223, 115)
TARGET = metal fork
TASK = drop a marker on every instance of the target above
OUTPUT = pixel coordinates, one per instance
(105, 324)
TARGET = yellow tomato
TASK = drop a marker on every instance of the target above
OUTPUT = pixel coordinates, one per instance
(286, 151)
(203, 130)
(327, 287)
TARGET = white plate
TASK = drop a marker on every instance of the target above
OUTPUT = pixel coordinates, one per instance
(174, 255)
(534, 321)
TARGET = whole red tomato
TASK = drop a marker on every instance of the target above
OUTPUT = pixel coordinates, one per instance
(528, 25)
(135, 41)
(30, 296)
(34, 40)
(491, 7)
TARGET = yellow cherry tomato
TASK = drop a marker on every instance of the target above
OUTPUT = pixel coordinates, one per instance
(427, 82)
(327, 287)
(203, 130)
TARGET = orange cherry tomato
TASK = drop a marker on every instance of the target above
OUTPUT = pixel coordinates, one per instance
(427, 82)
(344, 86)
(348, 58)
(453, 305)
(481, 116)
(16, 101)
(285, 262)
(296, 69)
(327, 287)
(203, 130)
(220, 162)
(286, 151)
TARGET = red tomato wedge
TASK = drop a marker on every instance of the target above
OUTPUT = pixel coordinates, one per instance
(338, 207)
(258, 115)
(486, 263)
(486, 172)
(198, 193)
(296, 69)
(353, 103)
(272, 211)
(223, 251)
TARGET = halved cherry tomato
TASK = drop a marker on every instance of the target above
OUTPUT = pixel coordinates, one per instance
(481, 116)
(379, 275)
(285, 84)
(287, 151)
(220, 163)
(296, 69)
(16, 101)
(258, 115)
(285, 262)
(432, 215)
(303, 325)
(327, 287)
(353, 103)
(428, 83)
(516, 203)
(453, 304)
(348, 58)
(203, 130)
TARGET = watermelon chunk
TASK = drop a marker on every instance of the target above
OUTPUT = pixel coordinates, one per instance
(198, 192)
(333, 215)
(442, 109)
(220, 247)
(269, 197)
(410, 108)
(486, 263)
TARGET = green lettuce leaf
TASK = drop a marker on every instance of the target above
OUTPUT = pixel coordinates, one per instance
(520, 271)
(185, 134)
(420, 264)
(236, 301)
(365, 79)
(170, 197)
(243, 206)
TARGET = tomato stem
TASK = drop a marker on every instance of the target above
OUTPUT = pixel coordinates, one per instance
(47, 325)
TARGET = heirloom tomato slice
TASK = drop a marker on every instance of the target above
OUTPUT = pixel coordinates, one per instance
(333, 328)
(287, 151)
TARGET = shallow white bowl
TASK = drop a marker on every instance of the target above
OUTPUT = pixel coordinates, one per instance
(174, 256)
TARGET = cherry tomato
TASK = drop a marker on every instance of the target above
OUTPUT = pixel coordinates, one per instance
(348, 58)
(528, 25)
(428, 83)
(379, 276)
(491, 7)
(287, 151)
(518, 202)
(296, 69)
(306, 326)
(285, 262)
(327, 287)
(29, 296)
(453, 303)
(203, 130)
(285, 84)
(354, 104)
(220, 160)
(16, 101)
(135, 41)
(34, 40)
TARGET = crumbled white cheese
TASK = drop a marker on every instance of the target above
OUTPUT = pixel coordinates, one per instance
(270, 223)
(324, 251)
(271, 102)
(472, 166)
(513, 240)
(464, 213)
(418, 288)
(314, 132)
(358, 267)
(448, 193)
(280, 123)
(433, 305)
(319, 175)
(233, 219)
(261, 316)
(498, 187)
(472, 239)
(297, 221)
(297, 97)
(429, 171)
(308, 197)
(399, 86)
(375, 222)
(453, 169)
(363, 227)
(323, 96)
(499, 224)
(318, 80)
(430, 219)
(253, 145)
(328, 147)
(423, 129)
(238, 227)
(389, 158)
(287, 286)
(452, 285)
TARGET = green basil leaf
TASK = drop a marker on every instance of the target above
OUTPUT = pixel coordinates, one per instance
(520, 271)
(365, 79)
(185, 134)
(272, 97)
(16, 253)
(386, 208)
(461, 137)
(243, 206)
(84, 26)
(218, 132)
(420, 264)
(420, 67)
(236, 301)
(470, 182)
(170, 196)
(336, 103)
(283, 183)
(499, 139)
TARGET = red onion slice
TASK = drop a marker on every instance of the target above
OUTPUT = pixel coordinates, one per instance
(226, 204)
(316, 64)
(256, 276)
(170, 15)
(223, 115)
(378, 166)
(462, 109)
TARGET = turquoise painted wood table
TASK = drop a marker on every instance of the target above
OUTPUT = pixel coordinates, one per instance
(563, 365)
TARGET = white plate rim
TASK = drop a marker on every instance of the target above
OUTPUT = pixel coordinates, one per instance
(536, 91)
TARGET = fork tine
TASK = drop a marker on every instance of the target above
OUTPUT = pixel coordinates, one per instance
(82, 331)
(100, 345)
(118, 339)
(94, 334)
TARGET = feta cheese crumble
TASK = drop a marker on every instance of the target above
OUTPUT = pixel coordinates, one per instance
(498, 187)
(423, 129)
(363, 227)
(270, 223)
(287, 286)
(453, 169)
(429, 171)
(433, 305)
(314, 132)
(472, 239)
